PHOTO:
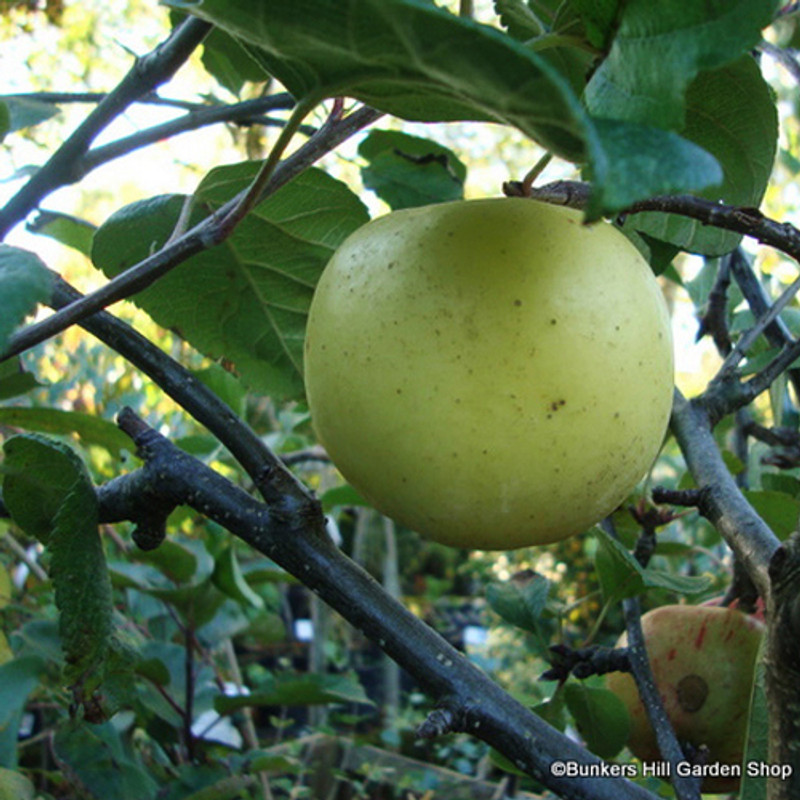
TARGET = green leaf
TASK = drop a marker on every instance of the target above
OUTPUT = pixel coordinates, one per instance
(600, 716)
(102, 762)
(25, 113)
(228, 578)
(230, 62)
(756, 747)
(70, 231)
(417, 61)
(599, 19)
(298, 690)
(519, 19)
(172, 558)
(407, 171)
(24, 282)
(659, 48)
(520, 602)
(780, 511)
(82, 589)
(49, 493)
(18, 678)
(39, 475)
(197, 604)
(730, 113)
(342, 496)
(247, 299)
(633, 161)
(408, 58)
(621, 575)
(90, 429)
(15, 786)
(14, 379)
(5, 120)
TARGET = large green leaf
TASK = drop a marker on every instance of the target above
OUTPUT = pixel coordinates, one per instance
(407, 57)
(49, 493)
(659, 48)
(730, 113)
(90, 429)
(24, 282)
(601, 717)
(247, 299)
(418, 61)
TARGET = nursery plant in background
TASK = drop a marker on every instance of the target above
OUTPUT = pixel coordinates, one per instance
(182, 563)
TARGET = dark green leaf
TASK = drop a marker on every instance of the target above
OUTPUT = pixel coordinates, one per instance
(24, 282)
(599, 19)
(71, 231)
(632, 161)
(519, 19)
(49, 493)
(173, 558)
(601, 718)
(659, 48)
(780, 511)
(730, 113)
(14, 380)
(39, 475)
(298, 690)
(231, 63)
(408, 58)
(407, 171)
(82, 589)
(520, 601)
(756, 749)
(228, 578)
(102, 762)
(18, 678)
(246, 299)
(90, 429)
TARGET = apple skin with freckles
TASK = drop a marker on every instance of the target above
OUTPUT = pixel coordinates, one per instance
(703, 660)
(490, 373)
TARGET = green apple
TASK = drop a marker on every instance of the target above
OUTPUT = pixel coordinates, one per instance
(490, 373)
(703, 660)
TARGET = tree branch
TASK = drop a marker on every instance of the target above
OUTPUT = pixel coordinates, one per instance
(204, 235)
(297, 541)
(723, 504)
(750, 222)
(146, 74)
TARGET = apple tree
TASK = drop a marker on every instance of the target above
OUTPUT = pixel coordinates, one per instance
(673, 122)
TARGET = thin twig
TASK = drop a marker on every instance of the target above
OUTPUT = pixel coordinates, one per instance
(205, 234)
(146, 74)
(746, 221)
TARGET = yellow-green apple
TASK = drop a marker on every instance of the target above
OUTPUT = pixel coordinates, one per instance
(490, 373)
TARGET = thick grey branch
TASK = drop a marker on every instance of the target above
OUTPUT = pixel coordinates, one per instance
(295, 538)
(723, 504)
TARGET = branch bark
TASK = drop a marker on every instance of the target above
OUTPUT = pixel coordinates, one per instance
(147, 73)
(295, 538)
